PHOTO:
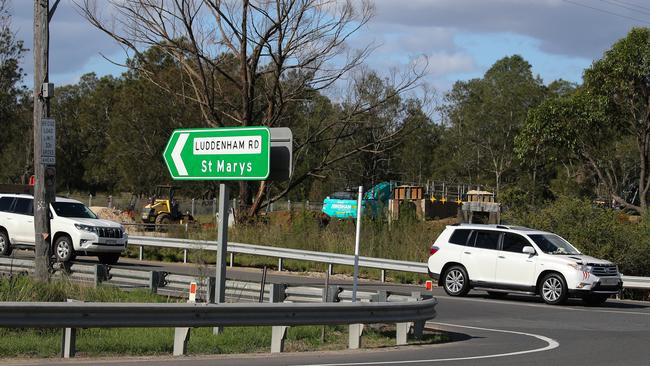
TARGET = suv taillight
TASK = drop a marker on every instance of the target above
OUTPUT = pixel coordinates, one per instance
(434, 250)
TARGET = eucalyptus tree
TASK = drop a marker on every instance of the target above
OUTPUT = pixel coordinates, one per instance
(246, 62)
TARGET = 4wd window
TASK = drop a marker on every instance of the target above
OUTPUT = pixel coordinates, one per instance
(487, 239)
(24, 206)
(459, 236)
(73, 209)
(5, 203)
(514, 243)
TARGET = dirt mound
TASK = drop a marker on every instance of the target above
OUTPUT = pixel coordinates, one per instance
(106, 213)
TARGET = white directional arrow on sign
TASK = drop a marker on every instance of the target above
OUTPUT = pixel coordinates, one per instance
(176, 153)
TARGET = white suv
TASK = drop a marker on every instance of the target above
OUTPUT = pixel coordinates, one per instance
(502, 259)
(75, 229)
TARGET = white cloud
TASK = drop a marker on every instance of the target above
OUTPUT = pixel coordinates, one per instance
(561, 27)
(443, 63)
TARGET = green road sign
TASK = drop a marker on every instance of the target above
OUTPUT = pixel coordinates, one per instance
(219, 153)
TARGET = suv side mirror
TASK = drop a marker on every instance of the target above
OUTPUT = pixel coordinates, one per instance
(528, 250)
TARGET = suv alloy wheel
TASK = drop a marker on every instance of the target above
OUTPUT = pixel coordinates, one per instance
(63, 249)
(553, 289)
(5, 246)
(456, 281)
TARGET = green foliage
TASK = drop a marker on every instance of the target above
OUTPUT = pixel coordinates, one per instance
(595, 231)
(23, 288)
(483, 117)
(605, 124)
(15, 120)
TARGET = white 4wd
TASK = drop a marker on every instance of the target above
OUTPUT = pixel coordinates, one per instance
(75, 229)
(502, 259)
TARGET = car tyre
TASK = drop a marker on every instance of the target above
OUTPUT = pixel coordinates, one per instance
(108, 258)
(456, 281)
(63, 249)
(5, 245)
(553, 289)
(595, 299)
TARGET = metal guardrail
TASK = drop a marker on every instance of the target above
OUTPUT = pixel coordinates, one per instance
(177, 285)
(329, 306)
(133, 315)
(634, 282)
(280, 253)
(630, 282)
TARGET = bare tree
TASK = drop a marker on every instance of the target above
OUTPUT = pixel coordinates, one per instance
(244, 62)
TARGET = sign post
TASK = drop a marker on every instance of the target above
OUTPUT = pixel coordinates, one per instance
(224, 154)
(356, 247)
(222, 239)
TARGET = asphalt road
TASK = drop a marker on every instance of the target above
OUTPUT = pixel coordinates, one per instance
(517, 330)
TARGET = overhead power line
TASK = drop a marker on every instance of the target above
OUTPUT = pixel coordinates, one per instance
(632, 4)
(625, 6)
(607, 11)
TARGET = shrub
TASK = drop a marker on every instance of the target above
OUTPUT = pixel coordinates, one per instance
(595, 231)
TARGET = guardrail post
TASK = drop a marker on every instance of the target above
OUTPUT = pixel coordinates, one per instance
(181, 337)
(277, 293)
(141, 252)
(182, 334)
(68, 343)
(418, 325)
(401, 333)
(100, 272)
(279, 334)
(184, 255)
(383, 275)
(212, 281)
(279, 264)
(232, 260)
(331, 293)
(381, 296)
(69, 340)
(330, 268)
(354, 336)
(156, 279)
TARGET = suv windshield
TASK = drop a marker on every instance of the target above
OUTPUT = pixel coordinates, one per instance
(553, 244)
(72, 209)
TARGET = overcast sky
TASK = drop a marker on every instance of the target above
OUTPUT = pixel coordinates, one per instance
(461, 38)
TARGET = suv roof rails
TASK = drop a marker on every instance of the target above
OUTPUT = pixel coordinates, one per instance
(503, 227)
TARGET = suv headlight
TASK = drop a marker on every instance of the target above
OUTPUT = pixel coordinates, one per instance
(581, 267)
(88, 228)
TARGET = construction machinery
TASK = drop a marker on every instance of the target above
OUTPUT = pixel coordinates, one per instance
(343, 205)
(162, 209)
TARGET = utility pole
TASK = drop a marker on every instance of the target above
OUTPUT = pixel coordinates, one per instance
(44, 160)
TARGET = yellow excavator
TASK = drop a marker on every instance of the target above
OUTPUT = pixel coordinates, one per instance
(162, 209)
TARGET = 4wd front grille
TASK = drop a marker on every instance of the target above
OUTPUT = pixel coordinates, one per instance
(108, 232)
(601, 270)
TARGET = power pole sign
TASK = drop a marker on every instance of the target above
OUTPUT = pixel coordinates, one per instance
(219, 154)
(48, 141)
